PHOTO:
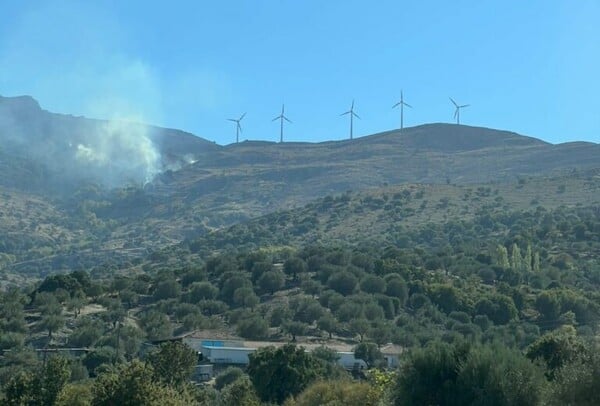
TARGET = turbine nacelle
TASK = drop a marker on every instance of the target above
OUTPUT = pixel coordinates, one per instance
(401, 102)
(351, 111)
(282, 115)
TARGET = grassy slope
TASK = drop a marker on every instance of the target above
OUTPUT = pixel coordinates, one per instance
(375, 214)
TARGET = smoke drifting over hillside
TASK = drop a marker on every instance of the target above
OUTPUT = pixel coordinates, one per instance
(113, 153)
(122, 151)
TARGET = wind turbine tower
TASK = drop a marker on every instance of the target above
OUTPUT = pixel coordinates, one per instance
(401, 103)
(352, 115)
(457, 111)
(238, 127)
(281, 117)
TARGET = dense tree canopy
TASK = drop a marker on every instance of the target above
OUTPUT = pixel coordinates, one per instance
(278, 373)
(173, 363)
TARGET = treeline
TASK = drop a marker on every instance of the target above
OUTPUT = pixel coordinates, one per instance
(559, 369)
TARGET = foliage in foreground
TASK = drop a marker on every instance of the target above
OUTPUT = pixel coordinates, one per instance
(466, 375)
(278, 373)
(133, 385)
(340, 392)
(41, 387)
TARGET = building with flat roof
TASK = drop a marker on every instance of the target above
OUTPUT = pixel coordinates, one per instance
(226, 355)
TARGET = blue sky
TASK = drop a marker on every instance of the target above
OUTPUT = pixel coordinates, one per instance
(527, 66)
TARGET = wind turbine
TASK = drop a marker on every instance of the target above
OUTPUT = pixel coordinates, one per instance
(238, 127)
(352, 115)
(401, 103)
(457, 111)
(281, 117)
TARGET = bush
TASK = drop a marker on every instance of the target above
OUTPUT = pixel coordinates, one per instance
(372, 284)
(346, 393)
(254, 328)
(577, 383)
(463, 375)
(342, 282)
(227, 377)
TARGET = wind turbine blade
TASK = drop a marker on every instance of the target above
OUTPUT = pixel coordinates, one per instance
(407, 105)
(455, 112)
(343, 114)
(239, 127)
(352, 107)
(276, 118)
(356, 115)
(396, 105)
(287, 119)
(243, 115)
(232, 119)
(464, 105)
(453, 102)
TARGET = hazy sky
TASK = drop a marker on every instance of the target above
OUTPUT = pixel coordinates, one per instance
(527, 66)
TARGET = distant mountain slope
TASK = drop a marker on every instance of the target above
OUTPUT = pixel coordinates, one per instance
(427, 153)
(251, 178)
(61, 151)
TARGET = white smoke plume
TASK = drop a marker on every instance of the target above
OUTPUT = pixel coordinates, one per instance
(123, 151)
(86, 66)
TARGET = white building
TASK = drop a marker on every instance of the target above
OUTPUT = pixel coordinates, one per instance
(236, 352)
(349, 361)
(226, 355)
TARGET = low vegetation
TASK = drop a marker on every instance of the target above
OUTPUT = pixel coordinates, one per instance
(500, 300)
